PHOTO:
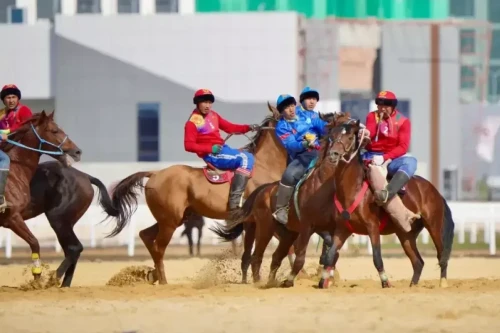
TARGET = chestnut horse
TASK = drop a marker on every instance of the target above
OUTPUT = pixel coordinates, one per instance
(64, 194)
(361, 215)
(315, 192)
(173, 192)
(24, 148)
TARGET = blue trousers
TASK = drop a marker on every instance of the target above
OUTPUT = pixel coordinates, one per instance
(232, 159)
(4, 160)
(406, 164)
(298, 167)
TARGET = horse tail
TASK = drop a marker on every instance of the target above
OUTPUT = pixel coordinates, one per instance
(104, 198)
(234, 228)
(124, 199)
(447, 234)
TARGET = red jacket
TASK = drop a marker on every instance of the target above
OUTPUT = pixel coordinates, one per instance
(394, 134)
(202, 132)
(11, 120)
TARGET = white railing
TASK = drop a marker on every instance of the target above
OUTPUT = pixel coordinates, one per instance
(468, 216)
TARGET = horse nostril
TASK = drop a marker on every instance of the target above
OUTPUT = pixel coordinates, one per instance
(336, 154)
(78, 152)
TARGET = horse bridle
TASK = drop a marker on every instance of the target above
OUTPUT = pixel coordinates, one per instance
(347, 150)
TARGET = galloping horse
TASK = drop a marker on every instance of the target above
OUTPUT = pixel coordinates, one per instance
(172, 191)
(64, 194)
(313, 194)
(24, 148)
(358, 213)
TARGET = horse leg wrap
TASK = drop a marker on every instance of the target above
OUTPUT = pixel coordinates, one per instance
(37, 264)
(395, 207)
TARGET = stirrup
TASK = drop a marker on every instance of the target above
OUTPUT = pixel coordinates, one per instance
(381, 196)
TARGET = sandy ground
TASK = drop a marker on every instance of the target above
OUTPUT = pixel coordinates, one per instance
(204, 295)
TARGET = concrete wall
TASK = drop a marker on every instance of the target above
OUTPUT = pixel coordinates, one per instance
(241, 57)
(27, 62)
(406, 71)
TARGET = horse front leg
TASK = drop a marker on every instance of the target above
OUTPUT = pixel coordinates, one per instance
(331, 256)
(16, 223)
(374, 234)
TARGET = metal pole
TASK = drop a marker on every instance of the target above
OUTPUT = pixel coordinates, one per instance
(435, 101)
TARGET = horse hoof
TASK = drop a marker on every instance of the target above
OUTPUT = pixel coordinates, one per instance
(287, 284)
(386, 284)
(152, 276)
(323, 283)
(443, 283)
(37, 276)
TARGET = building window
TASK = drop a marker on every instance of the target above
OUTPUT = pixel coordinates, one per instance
(462, 8)
(148, 132)
(494, 11)
(467, 77)
(495, 44)
(128, 6)
(167, 6)
(494, 84)
(88, 6)
(46, 9)
(4, 9)
(15, 15)
(467, 41)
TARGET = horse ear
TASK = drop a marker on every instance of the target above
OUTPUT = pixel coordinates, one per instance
(51, 115)
(347, 114)
(273, 110)
(358, 122)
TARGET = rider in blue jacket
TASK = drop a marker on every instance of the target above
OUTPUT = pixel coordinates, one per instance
(309, 98)
(299, 135)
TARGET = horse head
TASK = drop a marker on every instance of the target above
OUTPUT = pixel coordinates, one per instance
(342, 141)
(41, 133)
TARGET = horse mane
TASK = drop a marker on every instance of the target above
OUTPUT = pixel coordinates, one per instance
(254, 140)
(22, 130)
(337, 120)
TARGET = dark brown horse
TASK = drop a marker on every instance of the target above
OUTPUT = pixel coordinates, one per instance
(190, 222)
(40, 134)
(315, 209)
(64, 194)
(172, 191)
(366, 217)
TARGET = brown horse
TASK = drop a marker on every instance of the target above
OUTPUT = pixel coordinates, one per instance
(361, 215)
(315, 207)
(40, 134)
(64, 194)
(172, 191)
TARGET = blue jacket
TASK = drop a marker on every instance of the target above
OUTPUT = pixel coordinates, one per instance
(291, 133)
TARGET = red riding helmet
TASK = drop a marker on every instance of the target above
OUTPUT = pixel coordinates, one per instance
(387, 98)
(203, 95)
(10, 89)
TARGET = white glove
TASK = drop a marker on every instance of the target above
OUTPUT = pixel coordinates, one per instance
(378, 160)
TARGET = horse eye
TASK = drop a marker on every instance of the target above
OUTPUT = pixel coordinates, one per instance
(344, 131)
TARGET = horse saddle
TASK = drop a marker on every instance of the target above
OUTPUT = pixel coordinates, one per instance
(217, 176)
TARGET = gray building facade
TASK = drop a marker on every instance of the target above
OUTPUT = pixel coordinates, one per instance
(122, 85)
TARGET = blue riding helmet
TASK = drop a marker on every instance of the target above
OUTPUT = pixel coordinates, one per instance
(308, 92)
(284, 101)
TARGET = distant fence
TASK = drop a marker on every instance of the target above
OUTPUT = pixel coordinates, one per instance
(469, 217)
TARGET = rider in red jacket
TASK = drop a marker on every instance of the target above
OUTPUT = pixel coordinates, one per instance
(390, 134)
(202, 136)
(11, 117)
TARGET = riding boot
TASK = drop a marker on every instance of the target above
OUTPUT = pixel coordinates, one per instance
(397, 182)
(4, 173)
(283, 198)
(238, 185)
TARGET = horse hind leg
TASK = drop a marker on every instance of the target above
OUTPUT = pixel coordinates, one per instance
(409, 243)
(198, 245)
(148, 237)
(246, 257)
